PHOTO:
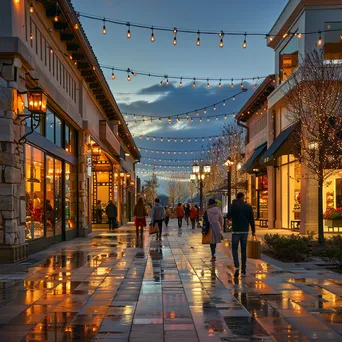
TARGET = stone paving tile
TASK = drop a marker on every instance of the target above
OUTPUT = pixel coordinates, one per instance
(112, 287)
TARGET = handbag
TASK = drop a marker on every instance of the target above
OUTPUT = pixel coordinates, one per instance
(208, 238)
(153, 229)
(254, 248)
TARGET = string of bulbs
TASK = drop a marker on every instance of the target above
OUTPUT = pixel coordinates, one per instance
(173, 151)
(165, 78)
(180, 139)
(167, 166)
(220, 33)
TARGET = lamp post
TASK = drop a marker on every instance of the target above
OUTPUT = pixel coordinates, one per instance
(228, 164)
(199, 172)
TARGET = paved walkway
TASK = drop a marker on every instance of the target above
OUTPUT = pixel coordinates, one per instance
(116, 287)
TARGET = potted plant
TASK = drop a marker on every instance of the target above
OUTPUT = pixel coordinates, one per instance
(333, 217)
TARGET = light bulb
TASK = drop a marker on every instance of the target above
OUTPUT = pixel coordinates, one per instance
(221, 45)
(232, 84)
(160, 83)
(233, 98)
(214, 106)
(113, 75)
(205, 111)
(244, 45)
(76, 26)
(217, 118)
(70, 56)
(224, 102)
(152, 36)
(208, 84)
(299, 35)
(31, 36)
(174, 30)
(241, 85)
(180, 83)
(175, 41)
(198, 41)
(285, 35)
(104, 30)
(129, 31)
(31, 9)
(220, 84)
(197, 112)
(167, 82)
(225, 117)
(201, 120)
(51, 51)
(319, 42)
(194, 84)
(128, 77)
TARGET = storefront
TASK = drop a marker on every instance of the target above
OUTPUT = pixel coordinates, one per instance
(51, 183)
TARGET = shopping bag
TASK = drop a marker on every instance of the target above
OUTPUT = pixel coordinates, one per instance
(208, 238)
(153, 229)
(254, 248)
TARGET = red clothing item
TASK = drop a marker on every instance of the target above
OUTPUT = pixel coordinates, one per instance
(179, 211)
(193, 213)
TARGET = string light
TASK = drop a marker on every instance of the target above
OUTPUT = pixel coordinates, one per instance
(128, 76)
(232, 84)
(167, 81)
(319, 42)
(205, 111)
(175, 37)
(214, 107)
(180, 83)
(129, 31)
(208, 84)
(152, 35)
(31, 36)
(31, 8)
(220, 84)
(221, 44)
(194, 83)
(76, 26)
(113, 75)
(244, 45)
(242, 85)
(224, 102)
(104, 30)
(299, 35)
(161, 83)
(198, 41)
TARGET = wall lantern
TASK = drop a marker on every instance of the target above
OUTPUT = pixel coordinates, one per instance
(96, 152)
(195, 168)
(193, 177)
(131, 183)
(206, 168)
(37, 106)
(122, 174)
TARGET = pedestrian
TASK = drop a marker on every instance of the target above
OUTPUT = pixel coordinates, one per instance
(99, 211)
(167, 215)
(179, 211)
(112, 213)
(214, 220)
(242, 217)
(140, 214)
(187, 213)
(157, 216)
(193, 216)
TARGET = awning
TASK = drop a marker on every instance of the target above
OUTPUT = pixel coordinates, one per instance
(280, 146)
(254, 160)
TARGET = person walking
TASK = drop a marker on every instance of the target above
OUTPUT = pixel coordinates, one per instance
(193, 216)
(214, 221)
(99, 211)
(140, 214)
(197, 217)
(242, 217)
(157, 216)
(179, 214)
(187, 213)
(167, 215)
(112, 213)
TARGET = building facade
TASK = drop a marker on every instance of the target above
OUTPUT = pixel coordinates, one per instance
(61, 165)
(292, 192)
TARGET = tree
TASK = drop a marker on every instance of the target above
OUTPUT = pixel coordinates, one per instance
(150, 189)
(171, 188)
(314, 104)
(181, 192)
(192, 190)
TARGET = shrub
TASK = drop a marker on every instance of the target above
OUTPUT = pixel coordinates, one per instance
(288, 248)
(331, 251)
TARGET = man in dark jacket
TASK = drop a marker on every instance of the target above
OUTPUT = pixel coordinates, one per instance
(112, 213)
(242, 217)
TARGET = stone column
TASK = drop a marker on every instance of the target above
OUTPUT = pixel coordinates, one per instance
(12, 167)
(83, 196)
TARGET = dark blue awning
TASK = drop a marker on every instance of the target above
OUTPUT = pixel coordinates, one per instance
(280, 145)
(254, 160)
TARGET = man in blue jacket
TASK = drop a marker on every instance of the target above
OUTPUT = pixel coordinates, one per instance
(242, 217)
(157, 216)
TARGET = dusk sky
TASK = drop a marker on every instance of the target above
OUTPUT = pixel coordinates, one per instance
(143, 95)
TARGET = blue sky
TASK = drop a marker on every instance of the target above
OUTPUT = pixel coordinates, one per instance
(142, 95)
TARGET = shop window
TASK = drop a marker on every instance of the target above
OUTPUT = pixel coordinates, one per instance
(288, 59)
(50, 126)
(53, 196)
(262, 197)
(332, 41)
(69, 137)
(58, 131)
(34, 189)
(70, 197)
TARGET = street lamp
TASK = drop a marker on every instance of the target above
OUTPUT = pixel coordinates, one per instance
(199, 173)
(228, 164)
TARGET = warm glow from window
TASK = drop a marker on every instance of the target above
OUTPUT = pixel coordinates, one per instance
(288, 59)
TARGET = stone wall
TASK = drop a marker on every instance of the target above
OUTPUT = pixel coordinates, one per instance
(12, 186)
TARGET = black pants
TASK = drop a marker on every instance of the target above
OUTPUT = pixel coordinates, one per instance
(180, 221)
(160, 225)
(98, 216)
(112, 222)
(167, 218)
(193, 223)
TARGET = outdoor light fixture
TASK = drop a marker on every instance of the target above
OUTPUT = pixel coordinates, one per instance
(122, 174)
(193, 177)
(239, 166)
(195, 168)
(96, 152)
(206, 168)
(37, 105)
(229, 162)
(313, 146)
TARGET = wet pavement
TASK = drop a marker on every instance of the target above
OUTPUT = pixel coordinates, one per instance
(120, 287)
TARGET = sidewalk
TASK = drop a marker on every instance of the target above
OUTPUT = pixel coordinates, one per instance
(115, 286)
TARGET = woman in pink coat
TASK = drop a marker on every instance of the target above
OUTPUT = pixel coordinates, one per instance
(216, 223)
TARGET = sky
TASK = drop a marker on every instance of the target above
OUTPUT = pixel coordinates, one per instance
(143, 95)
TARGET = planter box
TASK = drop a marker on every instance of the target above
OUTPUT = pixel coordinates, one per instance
(334, 223)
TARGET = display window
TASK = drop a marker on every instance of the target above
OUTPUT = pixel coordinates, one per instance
(262, 197)
(332, 41)
(34, 186)
(70, 197)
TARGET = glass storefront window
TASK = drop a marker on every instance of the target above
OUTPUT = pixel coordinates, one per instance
(262, 196)
(58, 131)
(70, 197)
(332, 41)
(50, 126)
(34, 186)
(53, 196)
(288, 59)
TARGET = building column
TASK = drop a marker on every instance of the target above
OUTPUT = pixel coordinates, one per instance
(12, 164)
(84, 221)
(309, 205)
